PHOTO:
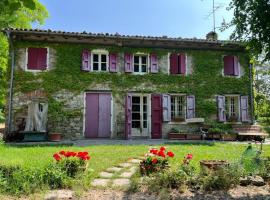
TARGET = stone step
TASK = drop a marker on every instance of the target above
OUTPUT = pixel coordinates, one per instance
(101, 182)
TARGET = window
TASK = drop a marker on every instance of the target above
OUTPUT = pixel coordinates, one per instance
(36, 59)
(139, 112)
(140, 64)
(100, 61)
(232, 108)
(231, 66)
(177, 63)
(178, 108)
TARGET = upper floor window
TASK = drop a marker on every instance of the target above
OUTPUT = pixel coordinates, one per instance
(140, 64)
(100, 60)
(36, 59)
(178, 63)
(231, 66)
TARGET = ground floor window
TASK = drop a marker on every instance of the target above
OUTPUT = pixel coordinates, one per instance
(178, 108)
(232, 108)
(139, 112)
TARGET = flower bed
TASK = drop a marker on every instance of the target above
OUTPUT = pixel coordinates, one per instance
(155, 161)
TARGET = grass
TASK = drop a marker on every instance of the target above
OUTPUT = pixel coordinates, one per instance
(105, 156)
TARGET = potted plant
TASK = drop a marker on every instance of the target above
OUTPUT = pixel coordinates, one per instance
(54, 136)
(213, 164)
(175, 134)
(214, 133)
(194, 136)
(230, 135)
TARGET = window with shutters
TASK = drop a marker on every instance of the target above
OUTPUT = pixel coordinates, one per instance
(178, 63)
(231, 66)
(37, 59)
(140, 64)
(178, 108)
(100, 60)
(232, 108)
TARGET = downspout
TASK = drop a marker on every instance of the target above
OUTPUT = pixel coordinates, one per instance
(10, 97)
(251, 93)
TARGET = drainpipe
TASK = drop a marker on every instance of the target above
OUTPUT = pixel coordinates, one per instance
(10, 97)
(251, 93)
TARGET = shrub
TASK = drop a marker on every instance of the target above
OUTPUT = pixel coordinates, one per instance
(223, 178)
(71, 162)
(155, 161)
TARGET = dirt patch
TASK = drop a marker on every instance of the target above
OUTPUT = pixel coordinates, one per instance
(238, 193)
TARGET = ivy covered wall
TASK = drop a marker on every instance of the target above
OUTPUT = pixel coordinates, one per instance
(205, 82)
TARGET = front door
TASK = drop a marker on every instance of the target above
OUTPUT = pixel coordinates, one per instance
(98, 115)
(140, 110)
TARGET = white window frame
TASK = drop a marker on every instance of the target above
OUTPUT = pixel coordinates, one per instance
(140, 63)
(38, 70)
(236, 109)
(176, 106)
(99, 52)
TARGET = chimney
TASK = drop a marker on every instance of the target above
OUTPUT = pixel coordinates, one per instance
(212, 36)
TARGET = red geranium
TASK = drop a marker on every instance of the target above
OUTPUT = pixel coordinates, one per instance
(162, 149)
(161, 154)
(189, 156)
(62, 153)
(154, 151)
(170, 154)
(154, 160)
(57, 157)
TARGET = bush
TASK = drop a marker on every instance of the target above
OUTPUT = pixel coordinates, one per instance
(221, 179)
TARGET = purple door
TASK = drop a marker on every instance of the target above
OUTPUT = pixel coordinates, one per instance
(156, 108)
(98, 115)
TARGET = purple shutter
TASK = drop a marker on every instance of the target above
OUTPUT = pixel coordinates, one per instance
(236, 66)
(166, 104)
(128, 62)
(182, 63)
(244, 109)
(228, 65)
(221, 108)
(86, 64)
(156, 111)
(190, 106)
(32, 58)
(173, 64)
(153, 63)
(42, 59)
(128, 120)
(113, 62)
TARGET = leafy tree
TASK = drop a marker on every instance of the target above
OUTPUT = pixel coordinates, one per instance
(252, 25)
(16, 14)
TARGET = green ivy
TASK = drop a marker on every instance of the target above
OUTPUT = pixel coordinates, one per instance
(204, 82)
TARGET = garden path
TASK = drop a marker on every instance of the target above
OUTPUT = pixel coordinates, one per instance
(117, 176)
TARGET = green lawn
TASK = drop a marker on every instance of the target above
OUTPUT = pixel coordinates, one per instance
(104, 156)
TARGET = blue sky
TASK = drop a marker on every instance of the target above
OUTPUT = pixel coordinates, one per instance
(174, 18)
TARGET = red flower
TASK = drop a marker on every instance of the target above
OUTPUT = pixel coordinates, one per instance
(154, 151)
(189, 156)
(170, 154)
(162, 149)
(57, 157)
(62, 153)
(154, 160)
(161, 154)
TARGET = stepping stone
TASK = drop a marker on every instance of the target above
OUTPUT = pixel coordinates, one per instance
(126, 174)
(59, 194)
(121, 182)
(114, 169)
(135, 161)
(106, 175)
(133, 169)
(100, 182)
(125, 165)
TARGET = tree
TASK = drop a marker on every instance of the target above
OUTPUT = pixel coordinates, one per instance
(252, 25)
(16, 14)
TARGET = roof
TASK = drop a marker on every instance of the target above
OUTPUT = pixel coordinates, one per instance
(121, 40)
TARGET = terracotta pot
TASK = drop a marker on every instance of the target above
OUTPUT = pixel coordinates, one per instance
(194, 136)
(55, 137)
(213, 164)
(177, 136)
